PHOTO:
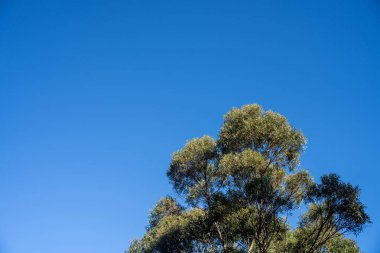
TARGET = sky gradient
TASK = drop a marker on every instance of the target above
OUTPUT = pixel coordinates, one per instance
(95, 96)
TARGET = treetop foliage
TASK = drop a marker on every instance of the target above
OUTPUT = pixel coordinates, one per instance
(240, 188)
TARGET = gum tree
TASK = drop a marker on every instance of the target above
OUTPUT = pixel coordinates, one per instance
(240, 188)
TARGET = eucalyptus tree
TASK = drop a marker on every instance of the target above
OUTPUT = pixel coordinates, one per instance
(239, 189)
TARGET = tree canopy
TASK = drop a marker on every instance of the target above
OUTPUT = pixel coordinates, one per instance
(240, 188)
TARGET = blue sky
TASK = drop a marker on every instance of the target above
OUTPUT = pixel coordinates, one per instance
(96, 95)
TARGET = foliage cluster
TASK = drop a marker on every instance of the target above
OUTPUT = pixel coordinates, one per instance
(240, 188)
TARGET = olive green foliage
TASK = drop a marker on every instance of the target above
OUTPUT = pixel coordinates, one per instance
(239, 190)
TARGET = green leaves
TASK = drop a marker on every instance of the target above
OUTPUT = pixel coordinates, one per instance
(335, 210)
(165, 207)
(240, 188)
(192, 170)
(340, 202)
(241, 129)
(171, 229)
(297, 185)
(266, 132)
(341, 245)
(235, 169)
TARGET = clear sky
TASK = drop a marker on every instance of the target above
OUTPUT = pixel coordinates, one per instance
(96, 95)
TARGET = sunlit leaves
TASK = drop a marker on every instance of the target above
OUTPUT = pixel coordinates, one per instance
(266, 132)
(165, 207)
(192, 169)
